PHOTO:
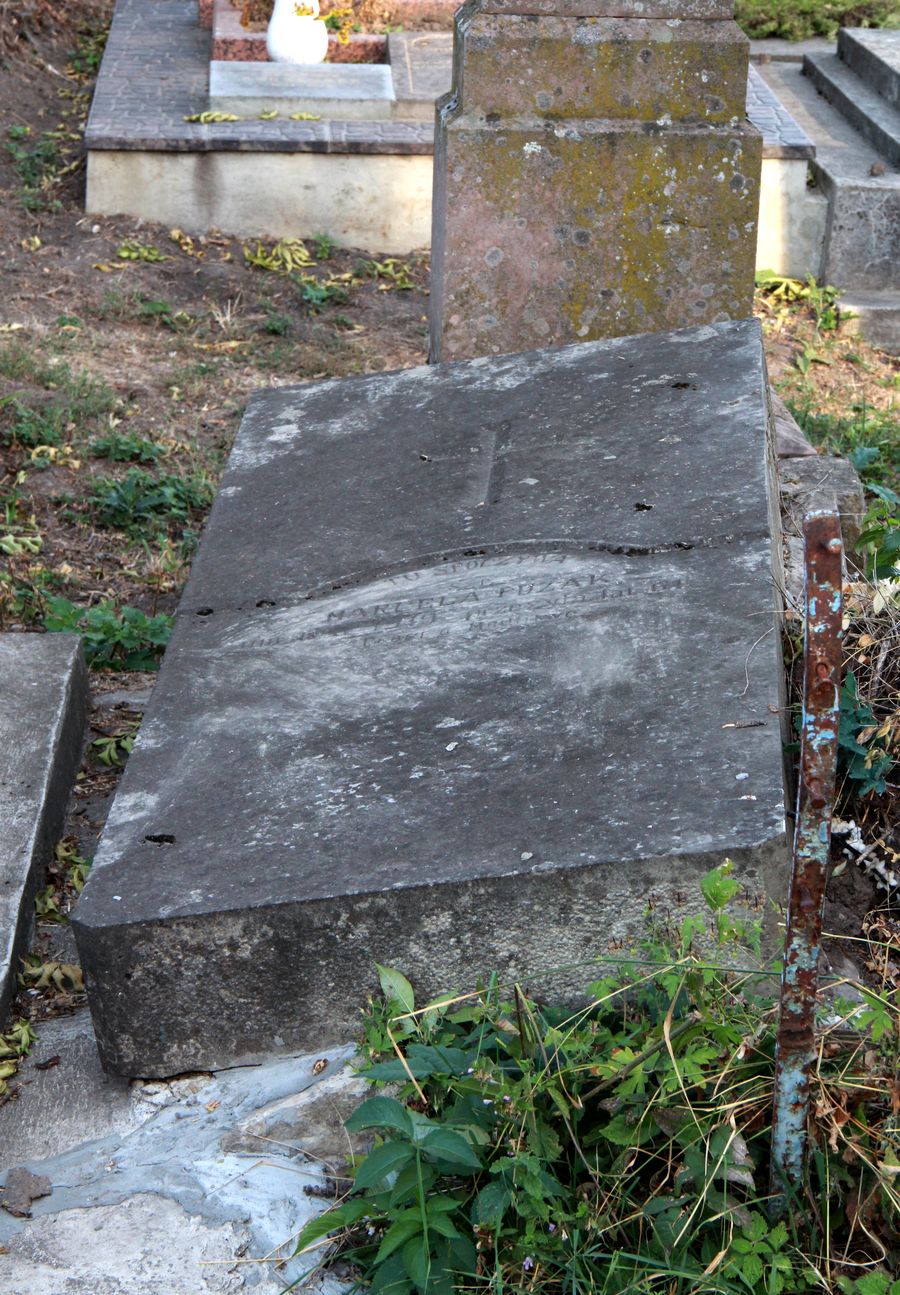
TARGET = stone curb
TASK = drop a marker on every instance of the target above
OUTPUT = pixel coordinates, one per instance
(42, 715)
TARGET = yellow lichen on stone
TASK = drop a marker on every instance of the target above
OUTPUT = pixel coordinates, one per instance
(591, 187)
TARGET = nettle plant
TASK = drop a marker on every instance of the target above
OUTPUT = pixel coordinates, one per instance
(619, 1147)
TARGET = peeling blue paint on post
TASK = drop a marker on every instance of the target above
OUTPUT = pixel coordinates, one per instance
(795, 1051)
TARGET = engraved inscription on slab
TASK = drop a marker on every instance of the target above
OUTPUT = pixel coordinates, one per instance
(474, 596)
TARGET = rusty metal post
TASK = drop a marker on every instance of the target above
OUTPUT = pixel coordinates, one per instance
(795, 1049)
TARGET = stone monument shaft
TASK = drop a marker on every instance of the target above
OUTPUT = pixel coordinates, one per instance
(595, 175)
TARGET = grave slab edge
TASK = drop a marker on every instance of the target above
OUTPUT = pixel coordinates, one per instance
(282, 951)
(50, 801)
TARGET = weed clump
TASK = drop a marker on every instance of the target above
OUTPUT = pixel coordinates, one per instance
(114, 637)
(143, 505)
(620, 1147)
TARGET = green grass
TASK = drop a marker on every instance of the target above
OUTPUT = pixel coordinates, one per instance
(869, 438)
(144, 505)
(18, 361)
(37, 162)
(74, 402)
(125, 447)
(801, 19)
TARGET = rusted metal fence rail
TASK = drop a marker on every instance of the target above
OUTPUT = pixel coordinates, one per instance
(795, 1051)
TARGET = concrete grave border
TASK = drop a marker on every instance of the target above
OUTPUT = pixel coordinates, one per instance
(42, 715)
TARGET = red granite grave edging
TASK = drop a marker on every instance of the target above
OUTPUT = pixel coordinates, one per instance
(232, 42)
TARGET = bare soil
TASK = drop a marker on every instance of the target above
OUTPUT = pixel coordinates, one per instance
(176, 344)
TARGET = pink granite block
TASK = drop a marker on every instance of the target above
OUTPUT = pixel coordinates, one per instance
(205, 12)
(546, 237)
(249, 48)
(360, 48)
(232, 42)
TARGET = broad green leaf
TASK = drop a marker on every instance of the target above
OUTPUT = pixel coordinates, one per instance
(491, 1204)
(874, 1283)
(718, 886)
(441, 1205)
(752, 1268)
(564, 1107)
(421, 1126)
(445, 1144)
(462, 1255)
(622, 1134)
(390, 1278)
(441, 1280)
(440, 1061)
(777, 1238)
(380, 1113)
(332, 1221)
(384, 1160)
(407, 1184)
(442, 1226)
(407, 1226)
(863, 457)
(665, 1222)
(396, 988)
(392, 1072)
(757, 1228)
(422, 1061)
(417, 1261)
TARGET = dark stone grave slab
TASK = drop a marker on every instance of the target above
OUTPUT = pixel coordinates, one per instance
(473, 661)
(43, 704)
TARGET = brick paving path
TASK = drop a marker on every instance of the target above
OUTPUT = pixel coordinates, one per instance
(782, 137)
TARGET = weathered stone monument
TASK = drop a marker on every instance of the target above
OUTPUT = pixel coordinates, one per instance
(473, 660)
(595, 175)
(476, 658)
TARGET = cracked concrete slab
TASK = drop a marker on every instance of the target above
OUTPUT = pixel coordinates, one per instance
(142, 1246)
(180, 1186)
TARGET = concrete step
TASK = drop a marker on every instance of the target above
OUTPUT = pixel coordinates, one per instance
(43, 704)
(875, 57)
(874, 117)
(433, 699)
(862, 245)
(774, 49)
(877, 316)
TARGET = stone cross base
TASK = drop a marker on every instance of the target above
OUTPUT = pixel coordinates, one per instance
(595, 176)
